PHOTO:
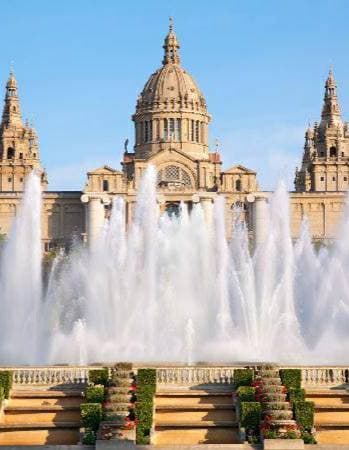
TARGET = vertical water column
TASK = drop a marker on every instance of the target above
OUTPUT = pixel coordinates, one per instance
(20, 281)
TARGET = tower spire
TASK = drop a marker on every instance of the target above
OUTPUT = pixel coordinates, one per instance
(11, 113)
(331, 113)
(171, 46)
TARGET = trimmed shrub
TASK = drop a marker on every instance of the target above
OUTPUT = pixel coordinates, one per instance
(296, 395)
(6, 382)
(308, 438)
(304, 415)
(243, 377)
(250, 414)
(94, 394)
(123, 366)
(89, 437)
(91, 415)
(146, 386)
(291, 378)
(1, 395)
(99, 376)
(246, 394)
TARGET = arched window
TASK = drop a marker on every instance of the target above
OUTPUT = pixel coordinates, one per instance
(10, 153)
(105, 185)
(238, 185)
(197, 131)
(333, 152)
(173, 209)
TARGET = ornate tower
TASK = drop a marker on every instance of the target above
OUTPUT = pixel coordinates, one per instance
(171, 109)
(325, 164)
(19, 149)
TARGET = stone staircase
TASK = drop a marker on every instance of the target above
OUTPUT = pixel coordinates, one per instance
(331, 415)
(41, 416)
(190, 417)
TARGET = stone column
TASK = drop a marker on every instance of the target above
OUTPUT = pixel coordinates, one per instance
(95, 216)
(260, 220)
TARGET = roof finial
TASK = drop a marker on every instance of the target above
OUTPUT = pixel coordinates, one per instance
(171, 46)
(11, 67)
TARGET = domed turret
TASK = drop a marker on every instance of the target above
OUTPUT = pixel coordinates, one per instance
(171, 109)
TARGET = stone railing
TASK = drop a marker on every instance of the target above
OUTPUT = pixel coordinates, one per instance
(312, 376)
(191, 375)
(50, 375)
(324, 376)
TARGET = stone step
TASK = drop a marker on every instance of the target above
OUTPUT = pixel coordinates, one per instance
(195, 407)
(11, 408)
(333, 407)
(200, 424)
(39, 393)
(327, 393)
(333, 436)
(176, 416)
(56, 436)
(42, 401)
(196, 436)
(194, 393)
(332, 424)
(43, 425)
(40, 416)
(331, 416)
(191, 401)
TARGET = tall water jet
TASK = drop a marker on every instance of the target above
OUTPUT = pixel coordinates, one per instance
(20, 280)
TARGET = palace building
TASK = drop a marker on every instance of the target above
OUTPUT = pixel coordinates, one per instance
(171, 124)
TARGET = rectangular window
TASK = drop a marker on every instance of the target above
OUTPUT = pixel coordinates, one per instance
(178, 133)
(9, 180)
(197, 131)
(172, 128)
(322, 179)
(192, 131)
(345, 179)
(165, 129)
(333, 178)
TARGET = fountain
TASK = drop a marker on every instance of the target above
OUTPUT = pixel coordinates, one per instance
(174, 289)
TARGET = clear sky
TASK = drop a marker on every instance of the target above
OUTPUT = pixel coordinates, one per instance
(261, 65)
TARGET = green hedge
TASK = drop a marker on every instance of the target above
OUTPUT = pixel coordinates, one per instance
(94, 394)
(304, 414)
(250, 414)
(243, 377)
(296, 395)
(91, 415)
(98, 376)
(291, 378)
(246, 394)
(1, 395)
(146, 386)
(6, 382)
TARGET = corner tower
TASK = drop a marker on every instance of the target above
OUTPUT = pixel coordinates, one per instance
(325, 163)
(19, 148)
(171, 109)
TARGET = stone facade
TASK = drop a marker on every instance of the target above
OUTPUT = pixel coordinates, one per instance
(171, 133)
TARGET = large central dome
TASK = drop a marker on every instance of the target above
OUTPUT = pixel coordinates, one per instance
(171, 108)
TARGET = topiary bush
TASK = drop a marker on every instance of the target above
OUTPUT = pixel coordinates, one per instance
(146, 386)
(250, 414)
(6, 382)
(291, 378)
(91, 415)
(89, 437)
(304, 414)
(296, 395)
(94, 394)
(243, 377)
(98, 376)
(246, 394)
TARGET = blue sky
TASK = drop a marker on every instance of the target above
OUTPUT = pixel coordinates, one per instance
(260, 64)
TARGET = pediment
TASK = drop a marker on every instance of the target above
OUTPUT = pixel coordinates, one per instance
(105, 170)
(239, 169)
(171, 155)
